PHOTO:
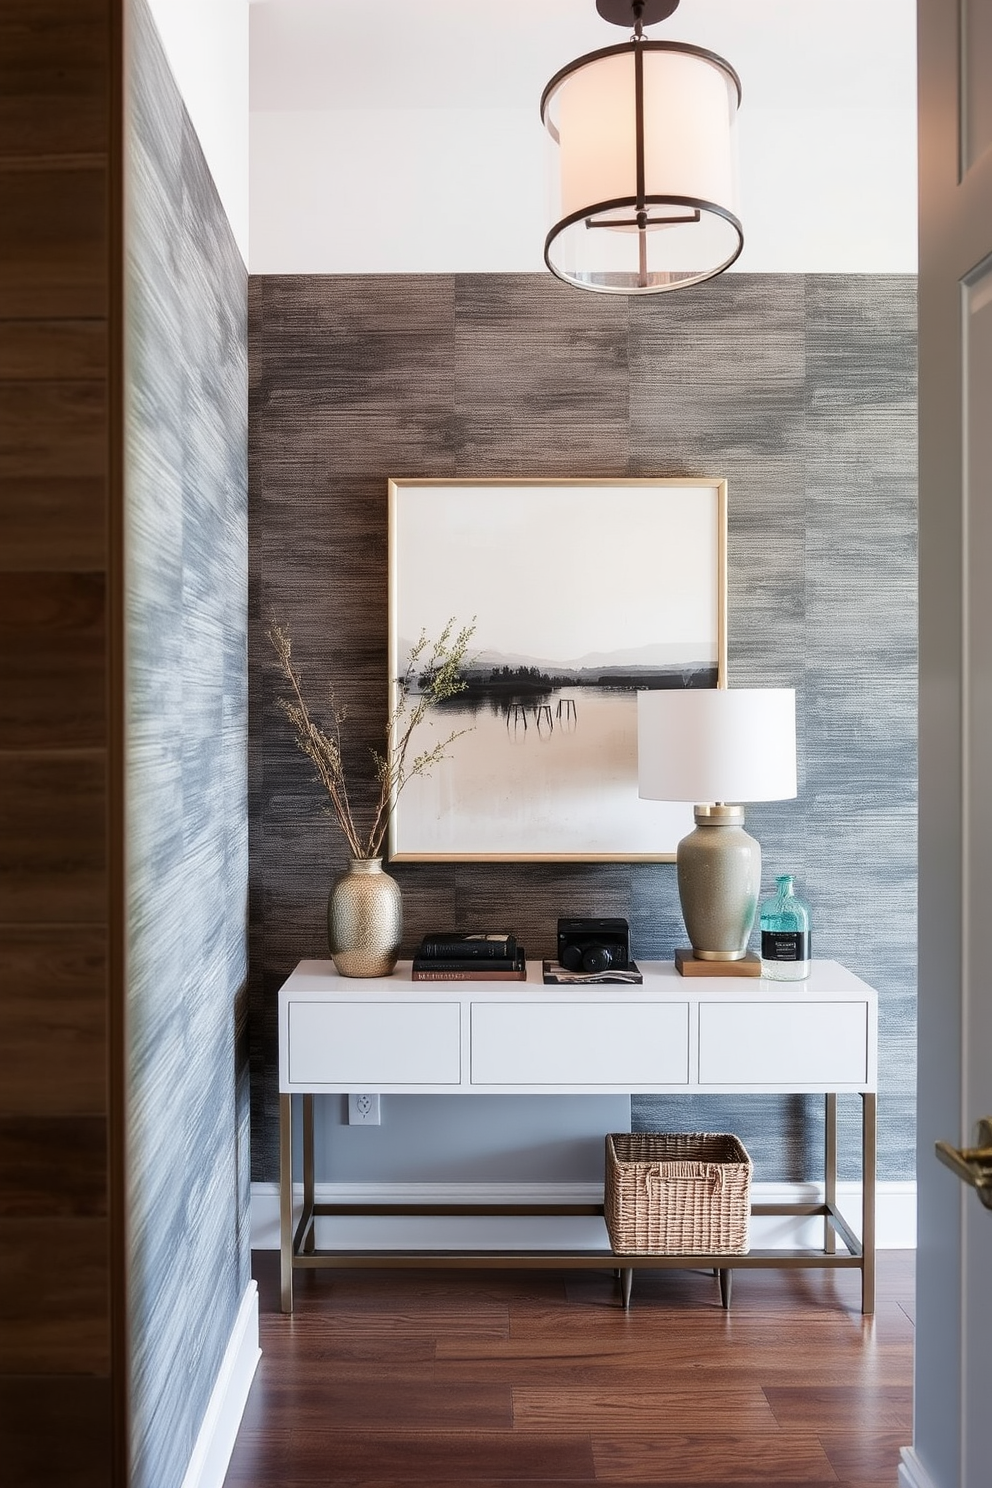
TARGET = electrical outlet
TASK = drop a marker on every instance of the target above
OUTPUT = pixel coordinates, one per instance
(363, 1110)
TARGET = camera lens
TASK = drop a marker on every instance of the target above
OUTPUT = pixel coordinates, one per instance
(597, 958)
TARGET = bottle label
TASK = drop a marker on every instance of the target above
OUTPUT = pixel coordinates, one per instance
(785, 945)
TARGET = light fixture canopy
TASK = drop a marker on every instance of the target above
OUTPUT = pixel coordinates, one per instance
(645, 178)
(717, 747)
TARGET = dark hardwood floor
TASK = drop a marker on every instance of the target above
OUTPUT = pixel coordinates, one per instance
(500, 1378)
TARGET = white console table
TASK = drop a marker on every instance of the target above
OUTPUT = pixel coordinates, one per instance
(669, 1036)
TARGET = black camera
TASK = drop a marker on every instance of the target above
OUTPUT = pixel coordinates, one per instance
(594, 945)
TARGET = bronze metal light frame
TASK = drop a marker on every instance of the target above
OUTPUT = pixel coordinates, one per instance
(643, 205)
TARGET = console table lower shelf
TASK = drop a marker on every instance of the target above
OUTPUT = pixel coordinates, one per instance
(299, 1249)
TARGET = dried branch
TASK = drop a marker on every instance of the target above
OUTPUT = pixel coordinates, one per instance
(432, 675)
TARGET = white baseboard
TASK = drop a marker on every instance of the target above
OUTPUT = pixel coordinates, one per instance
(912, 1473)
(215, 1442)
(895, 1213)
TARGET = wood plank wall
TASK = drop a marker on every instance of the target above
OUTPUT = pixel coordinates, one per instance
(59, 155)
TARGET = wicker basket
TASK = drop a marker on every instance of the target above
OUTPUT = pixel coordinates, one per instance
(677, 1193)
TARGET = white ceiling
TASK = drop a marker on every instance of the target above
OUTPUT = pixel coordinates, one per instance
(341, 54)
(408, 139)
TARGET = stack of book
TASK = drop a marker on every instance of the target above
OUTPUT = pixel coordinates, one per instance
(483, 956)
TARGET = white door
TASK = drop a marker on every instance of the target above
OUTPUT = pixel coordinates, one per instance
(954, 1287)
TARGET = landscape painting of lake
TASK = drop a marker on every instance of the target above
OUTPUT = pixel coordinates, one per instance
(580, 594)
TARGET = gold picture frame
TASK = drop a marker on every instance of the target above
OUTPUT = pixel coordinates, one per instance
(581, 592)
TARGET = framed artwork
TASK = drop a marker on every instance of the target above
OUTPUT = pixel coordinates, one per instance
(581, 592)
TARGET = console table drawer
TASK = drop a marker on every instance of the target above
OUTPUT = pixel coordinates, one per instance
(371, 1045)
(627, 1044)
(785, 1043)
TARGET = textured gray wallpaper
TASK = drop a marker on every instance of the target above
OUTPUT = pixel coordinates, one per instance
(801, 391)
(186, 789)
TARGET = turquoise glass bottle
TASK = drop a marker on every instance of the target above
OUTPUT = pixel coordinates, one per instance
(785, 934)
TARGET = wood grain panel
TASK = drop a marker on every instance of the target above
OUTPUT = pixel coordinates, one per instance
(302, 1454)
(52, 837)
(372, 1404)
(53, 1166)
(842, 1407)
(722, 1457)
(52, 429)
(579, 1408)
(56, 122)
(52, 660)
(377, 1320)
(54, 1296)
(60, 350)
(864, 1454)
(53, 524)
(755, 1325)
(622, 1372)
(715, 1359)
(410, 1357)
(485, 1295)
(53, 242)
(513, 1481)
(54, 78)
(55, 1431)
(53, 1019)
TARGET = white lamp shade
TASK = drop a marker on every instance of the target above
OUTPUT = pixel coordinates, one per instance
(689, 185)
(717, 744)
(689, 113)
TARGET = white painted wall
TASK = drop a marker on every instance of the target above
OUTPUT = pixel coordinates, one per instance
(206, 42)
(412, 142)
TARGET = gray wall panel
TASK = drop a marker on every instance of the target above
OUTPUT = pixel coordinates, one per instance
(798, 389)
(186, 502)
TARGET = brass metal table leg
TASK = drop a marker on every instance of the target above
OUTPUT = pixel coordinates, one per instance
(830, 1170)
(869, 1140)
(309, 1239)
(286, 1201)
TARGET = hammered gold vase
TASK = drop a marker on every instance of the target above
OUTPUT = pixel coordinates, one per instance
(365, 920)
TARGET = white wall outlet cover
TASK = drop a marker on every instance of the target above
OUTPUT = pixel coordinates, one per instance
(363, 1110)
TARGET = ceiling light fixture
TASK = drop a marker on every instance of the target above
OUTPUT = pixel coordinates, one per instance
(645, 135)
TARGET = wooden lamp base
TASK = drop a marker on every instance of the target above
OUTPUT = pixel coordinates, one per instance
(687, 965)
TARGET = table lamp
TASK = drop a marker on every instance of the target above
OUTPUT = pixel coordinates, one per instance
(717, 746)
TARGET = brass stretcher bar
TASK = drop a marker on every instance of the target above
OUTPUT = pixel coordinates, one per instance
(299, 1250)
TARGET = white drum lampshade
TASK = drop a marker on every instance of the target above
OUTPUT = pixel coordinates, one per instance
(717, 747)
(645, 181)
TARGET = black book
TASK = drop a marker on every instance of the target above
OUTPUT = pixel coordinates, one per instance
(469, 963)
(489, 969)
(455, 946)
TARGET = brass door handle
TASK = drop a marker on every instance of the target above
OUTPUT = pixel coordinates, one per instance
(973, 1165)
